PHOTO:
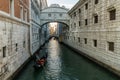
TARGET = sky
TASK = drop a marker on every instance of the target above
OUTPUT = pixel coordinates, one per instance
(67, 3)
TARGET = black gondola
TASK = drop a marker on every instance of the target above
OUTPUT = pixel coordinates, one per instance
(39, 62)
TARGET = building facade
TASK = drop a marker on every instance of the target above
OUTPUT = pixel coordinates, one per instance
(44, 34)
(20, 33)
(36, 36)
(35, 25)
(43, 4)
(94, 30)
(14, 36)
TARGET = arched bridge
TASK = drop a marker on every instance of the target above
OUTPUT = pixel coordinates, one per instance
(54, 13)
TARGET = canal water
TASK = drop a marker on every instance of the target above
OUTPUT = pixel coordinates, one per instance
(65, 64)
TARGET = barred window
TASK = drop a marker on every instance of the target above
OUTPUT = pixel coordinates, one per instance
(74, 14)
(49, 15)
(111, 46)
(16, 47)
(96, 19)
(112, 14)
(74, 38)
(95, 43)
(4, 51)
(79, 23)
(60, 15)
(96, 1)
(85, 40)
(78, 39)
(24, 44)
(86, 6)
(86, 22)
(79, 10)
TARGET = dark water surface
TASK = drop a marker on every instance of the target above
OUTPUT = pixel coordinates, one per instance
(64, 64)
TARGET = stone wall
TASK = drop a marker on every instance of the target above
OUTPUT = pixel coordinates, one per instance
(35, 26)
(104, 31)
(14, 45)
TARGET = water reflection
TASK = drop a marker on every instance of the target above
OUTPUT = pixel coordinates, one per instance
(54, 61)
(65, 64)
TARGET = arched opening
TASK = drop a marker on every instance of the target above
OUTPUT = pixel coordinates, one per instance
(55, 21)
(53, 29)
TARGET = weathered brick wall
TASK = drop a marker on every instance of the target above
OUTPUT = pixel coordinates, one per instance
(26, 6)
(17, 8)
(4, 5)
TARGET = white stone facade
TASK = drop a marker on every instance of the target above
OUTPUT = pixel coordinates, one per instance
(54, 13)
(100, 40)
(35, 22)
(43, 3)
(19, 38)
(14, 45)
(44, 37)
(35, 26)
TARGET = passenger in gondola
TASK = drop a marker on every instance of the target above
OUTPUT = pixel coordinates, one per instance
(42, 61)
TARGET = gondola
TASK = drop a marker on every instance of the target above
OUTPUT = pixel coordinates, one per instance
(40, 63)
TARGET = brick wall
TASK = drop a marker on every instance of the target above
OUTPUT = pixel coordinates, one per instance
(14, 37)
(17, 8)
(4, 5)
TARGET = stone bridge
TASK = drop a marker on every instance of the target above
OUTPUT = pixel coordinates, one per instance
(54, 13)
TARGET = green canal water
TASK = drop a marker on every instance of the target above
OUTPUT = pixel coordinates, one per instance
(65, 64)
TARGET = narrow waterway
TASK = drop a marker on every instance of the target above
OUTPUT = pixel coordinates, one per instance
(65, 64)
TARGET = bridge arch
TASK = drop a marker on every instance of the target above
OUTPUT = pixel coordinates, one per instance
(67, 25)
(55, 13)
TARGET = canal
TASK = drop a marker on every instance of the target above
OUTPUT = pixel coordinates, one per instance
(65, 64)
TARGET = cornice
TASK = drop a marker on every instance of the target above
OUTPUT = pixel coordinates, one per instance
(35, 6)
(79, 3)
(56, 7)
(7, 16)
(53, 12)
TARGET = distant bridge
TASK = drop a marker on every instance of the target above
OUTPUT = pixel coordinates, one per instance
(54, 13)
